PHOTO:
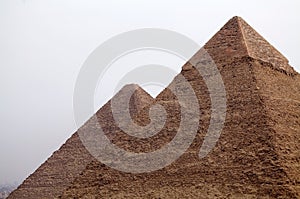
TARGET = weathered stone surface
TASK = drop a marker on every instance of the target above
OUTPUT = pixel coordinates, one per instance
(257, 155)
(237, 38)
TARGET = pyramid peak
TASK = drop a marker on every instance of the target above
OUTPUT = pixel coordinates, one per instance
(137, 96)
(137, 91)
(236, 19)
(238, 39)
(131, 86)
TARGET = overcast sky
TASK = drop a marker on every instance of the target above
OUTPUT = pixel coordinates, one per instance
(43, 44)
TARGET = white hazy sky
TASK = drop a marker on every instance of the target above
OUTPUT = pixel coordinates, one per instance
(43, 44)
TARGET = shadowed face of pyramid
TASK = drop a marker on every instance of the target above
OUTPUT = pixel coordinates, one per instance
(257, 154)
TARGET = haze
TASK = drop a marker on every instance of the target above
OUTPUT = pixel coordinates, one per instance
(43, 45)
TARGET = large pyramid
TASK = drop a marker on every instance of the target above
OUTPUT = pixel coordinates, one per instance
(256, 156)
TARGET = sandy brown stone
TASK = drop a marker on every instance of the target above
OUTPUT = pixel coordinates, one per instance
(256, 156)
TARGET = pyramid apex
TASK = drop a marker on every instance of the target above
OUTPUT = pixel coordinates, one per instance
(139, 98)
(136, 89)
(131, 86)
(238, 39)
(237, 18)
(234, 20)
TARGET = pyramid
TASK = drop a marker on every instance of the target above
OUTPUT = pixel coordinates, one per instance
(256, 156)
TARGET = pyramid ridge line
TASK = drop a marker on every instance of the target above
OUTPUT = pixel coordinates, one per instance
(243, 34)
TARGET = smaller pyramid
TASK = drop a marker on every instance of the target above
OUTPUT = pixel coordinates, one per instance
(67, 163)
